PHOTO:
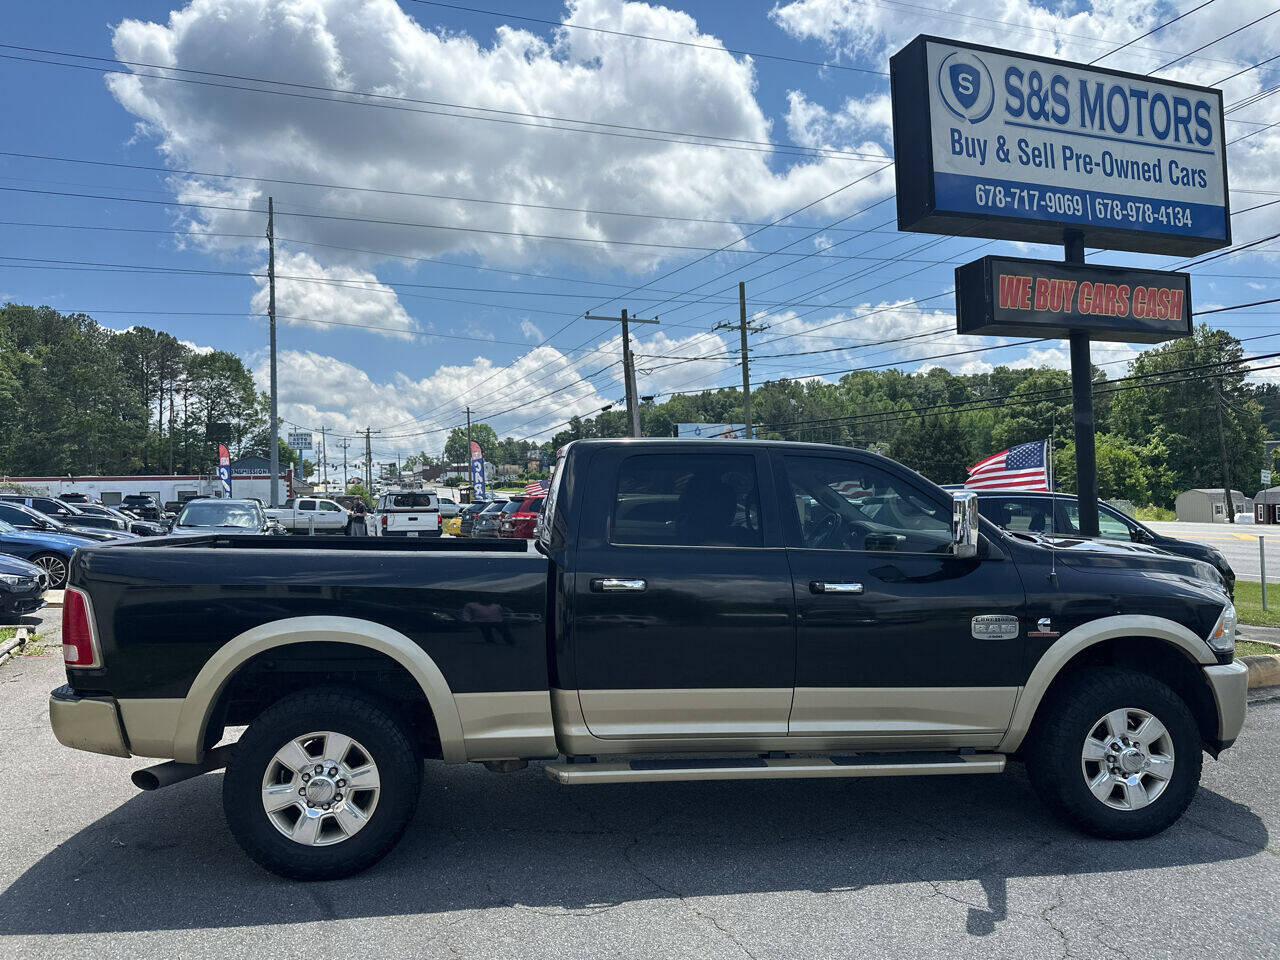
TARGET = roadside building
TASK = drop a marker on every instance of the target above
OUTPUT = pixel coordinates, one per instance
(1206, 505)
(1266, 506)
(250, 477)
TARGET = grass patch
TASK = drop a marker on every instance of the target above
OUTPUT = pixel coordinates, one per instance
(7, 634)
(1155, 513)
(1251, 648)
(1248, 602)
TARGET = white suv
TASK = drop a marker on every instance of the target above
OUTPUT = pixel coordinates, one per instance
(407, 513)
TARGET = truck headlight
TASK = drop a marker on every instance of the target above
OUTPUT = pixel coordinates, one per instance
(1223, 637)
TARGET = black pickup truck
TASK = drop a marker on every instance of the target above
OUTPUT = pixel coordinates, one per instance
(689, 610)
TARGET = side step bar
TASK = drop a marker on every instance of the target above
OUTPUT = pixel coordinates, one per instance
(783, 768)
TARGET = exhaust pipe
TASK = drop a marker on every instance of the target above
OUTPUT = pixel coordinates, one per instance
(167, 774)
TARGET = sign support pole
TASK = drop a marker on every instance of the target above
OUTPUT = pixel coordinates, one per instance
(273, 433)
(1082, 409)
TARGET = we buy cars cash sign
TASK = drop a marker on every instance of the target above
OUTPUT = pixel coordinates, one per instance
(1010, 296)
(1014, 147)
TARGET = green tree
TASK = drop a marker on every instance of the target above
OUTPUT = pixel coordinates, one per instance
(456, 449)
(936, 446)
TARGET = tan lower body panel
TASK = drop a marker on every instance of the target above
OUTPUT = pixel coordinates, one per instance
(979, 715)
(507, 725)
(151, 725)
(787, 768)
(936, 726)
(723, 712)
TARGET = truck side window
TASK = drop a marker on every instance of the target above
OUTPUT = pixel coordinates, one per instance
(704, 499)
(851, 505)
(1109, 527)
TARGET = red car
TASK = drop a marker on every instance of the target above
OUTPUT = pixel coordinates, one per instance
(519, 524)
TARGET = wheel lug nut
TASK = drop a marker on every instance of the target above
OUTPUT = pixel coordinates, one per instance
(324, 806)
(306, 777)
(333, 771)
(337, 796)
(342, 783)
(302, 791)
(319, 768)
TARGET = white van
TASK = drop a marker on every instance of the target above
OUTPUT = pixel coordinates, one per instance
(407, 513)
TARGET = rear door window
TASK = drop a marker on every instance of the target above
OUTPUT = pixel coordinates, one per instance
(413, 501)
(1023, 514)
(692, 500)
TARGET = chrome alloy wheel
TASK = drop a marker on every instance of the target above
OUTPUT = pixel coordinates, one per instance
(320, 788)
(55, 568)
(1127, 759)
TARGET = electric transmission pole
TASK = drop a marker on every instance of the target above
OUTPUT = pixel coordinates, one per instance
(324, 459)
(274, 433)
(743, 329)
(344, 445)
(628, 366)
(368, 461)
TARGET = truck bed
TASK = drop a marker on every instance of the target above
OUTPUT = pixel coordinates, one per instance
(339, 544)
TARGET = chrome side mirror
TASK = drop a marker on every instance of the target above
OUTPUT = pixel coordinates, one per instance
(964, 524)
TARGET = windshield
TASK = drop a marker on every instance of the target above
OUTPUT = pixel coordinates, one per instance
(211, 513)
(495, 507)
(511, 506)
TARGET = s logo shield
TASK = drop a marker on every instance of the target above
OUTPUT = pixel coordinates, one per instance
(965, 85)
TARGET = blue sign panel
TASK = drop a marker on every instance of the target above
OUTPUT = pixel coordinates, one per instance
(994, 144)
(477, 472)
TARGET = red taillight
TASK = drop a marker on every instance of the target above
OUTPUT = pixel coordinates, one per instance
(77, 633)
(384, 520)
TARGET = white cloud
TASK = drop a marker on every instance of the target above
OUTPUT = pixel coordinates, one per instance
(373, 45)
(530, 330)
(335, 295)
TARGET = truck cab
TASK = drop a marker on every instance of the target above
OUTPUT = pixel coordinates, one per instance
(691, 610)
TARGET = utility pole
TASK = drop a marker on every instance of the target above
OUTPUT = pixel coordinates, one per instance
(368, 461)
(468, 457)
(324, 459)
(274, 433)
(344, 445)
(1082, 410)
(743, 328)
(628, 366)
(1222, 449)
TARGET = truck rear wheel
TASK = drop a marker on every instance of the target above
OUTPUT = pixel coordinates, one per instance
(1115, 753)
(321, 785)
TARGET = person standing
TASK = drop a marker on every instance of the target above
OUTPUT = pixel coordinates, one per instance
(358, 523)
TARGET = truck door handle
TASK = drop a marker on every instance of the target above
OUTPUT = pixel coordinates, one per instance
(823, 586)
(617, 585)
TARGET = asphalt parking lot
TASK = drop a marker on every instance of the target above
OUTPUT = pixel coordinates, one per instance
(515, 866)
(1238, 543)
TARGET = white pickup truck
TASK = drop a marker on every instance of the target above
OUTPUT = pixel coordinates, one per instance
(311, 515)
(407, 513)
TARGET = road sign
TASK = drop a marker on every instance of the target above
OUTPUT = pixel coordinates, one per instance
(301, 440)
(1266, 477)
(1010, 296)
(1015, 147)
(712, 431)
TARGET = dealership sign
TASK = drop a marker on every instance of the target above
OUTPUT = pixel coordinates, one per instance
(1009, 296)
(301, 440)
(1015, 147)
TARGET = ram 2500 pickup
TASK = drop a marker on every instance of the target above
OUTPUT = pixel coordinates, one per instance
(689, 610)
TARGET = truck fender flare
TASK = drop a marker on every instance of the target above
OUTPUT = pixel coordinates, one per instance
(209, 683)
(1066, 647)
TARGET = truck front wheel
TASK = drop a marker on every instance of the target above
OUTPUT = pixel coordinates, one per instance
(1116, 753)
(321, 785)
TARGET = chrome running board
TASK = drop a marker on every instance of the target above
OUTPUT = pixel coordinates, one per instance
(781, 768)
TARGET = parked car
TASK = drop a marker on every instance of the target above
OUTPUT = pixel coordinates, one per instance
(695, 611)
(76, 498)
(451, 526)
(145, 506)
(68, 513)
(22, 587)
(310, 515)
(24, 518)
(1059, 513)
(468, 514)
(520, 523)
(143, 528)
(407, 513)
(50, 551)
(489, 520)
(449, 507)
(215, 516)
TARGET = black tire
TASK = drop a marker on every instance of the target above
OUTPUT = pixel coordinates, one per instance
(1055, 763)
(53, 563)
(346, 712)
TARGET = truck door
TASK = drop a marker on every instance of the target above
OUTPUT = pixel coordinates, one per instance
(898, 642)
(682, 617)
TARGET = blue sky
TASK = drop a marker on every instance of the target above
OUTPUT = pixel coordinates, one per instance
(398, 339)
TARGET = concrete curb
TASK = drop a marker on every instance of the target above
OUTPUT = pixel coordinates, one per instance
(1264, 670)
(53, 598)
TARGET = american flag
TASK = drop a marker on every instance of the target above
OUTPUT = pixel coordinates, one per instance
(1024, 467)
(535, 487)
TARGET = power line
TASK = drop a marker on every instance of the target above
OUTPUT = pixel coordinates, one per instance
(1202, 46)
(1157, 27)
(400, 103)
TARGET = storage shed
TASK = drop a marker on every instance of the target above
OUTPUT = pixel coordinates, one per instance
(1266, 506)
(1209, 505)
